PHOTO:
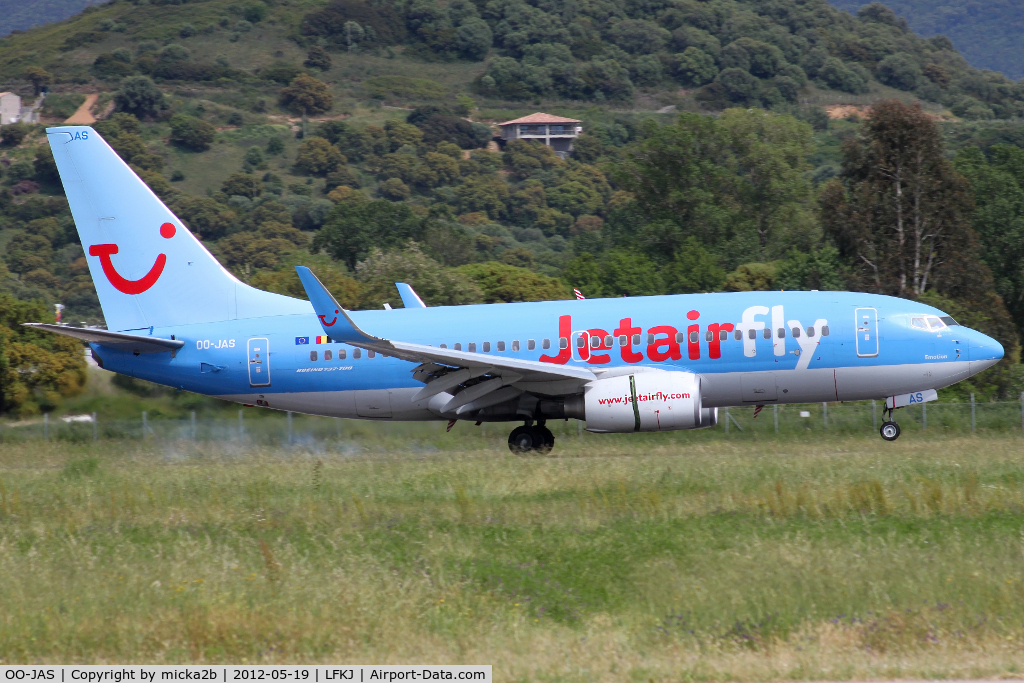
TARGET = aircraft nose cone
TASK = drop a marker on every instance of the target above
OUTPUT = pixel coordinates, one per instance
(984, 352)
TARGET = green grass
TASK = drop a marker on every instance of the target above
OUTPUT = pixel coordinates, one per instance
(616, 559)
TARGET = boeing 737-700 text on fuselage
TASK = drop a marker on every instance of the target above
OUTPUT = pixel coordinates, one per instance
(175, 316)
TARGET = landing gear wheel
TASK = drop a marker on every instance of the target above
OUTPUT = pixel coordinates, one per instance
(545, 439)
(524, 439)
(890, 431)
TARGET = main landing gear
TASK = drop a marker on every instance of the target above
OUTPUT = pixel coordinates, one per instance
(890, 431)
(531, 438)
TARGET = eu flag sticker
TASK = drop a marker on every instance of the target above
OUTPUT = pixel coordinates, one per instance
(302, 340)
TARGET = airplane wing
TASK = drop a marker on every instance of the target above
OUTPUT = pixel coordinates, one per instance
(136, 343)
(410, 299)
(476, 380)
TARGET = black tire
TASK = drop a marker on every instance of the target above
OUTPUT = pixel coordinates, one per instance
(523, 440)
(890, 431)
(545, 439)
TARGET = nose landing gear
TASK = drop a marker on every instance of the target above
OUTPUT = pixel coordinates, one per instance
(890, 431)
(531, 438)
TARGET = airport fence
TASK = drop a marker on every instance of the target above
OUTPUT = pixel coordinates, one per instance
(281, 429)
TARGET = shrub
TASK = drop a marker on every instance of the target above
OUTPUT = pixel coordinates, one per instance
(139, 95)
(191, 133)
(307, 94)
(317, 156)
(318, 58)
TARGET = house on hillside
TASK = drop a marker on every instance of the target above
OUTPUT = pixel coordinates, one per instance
(556, 132)
(10, 108)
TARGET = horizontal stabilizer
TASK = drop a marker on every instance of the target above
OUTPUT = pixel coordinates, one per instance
(333, 318)
(135, 343)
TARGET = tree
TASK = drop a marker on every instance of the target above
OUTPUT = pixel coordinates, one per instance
(473, 39)
(317, 156)
(44, 165)
(307, 95)
(192, 133)
(438, 286)
(394, 189)
(693, 269)
(318, 58)
(500, 282)
(37, 368)
(39, 77)
(694, 67)
(205, 217)
(242, 185)
(900, 71)
(139, 95)
(353, 228)
(998, 218)
(14, 134)
(899, 212)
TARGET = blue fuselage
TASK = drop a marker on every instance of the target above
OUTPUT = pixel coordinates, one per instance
(750, 347)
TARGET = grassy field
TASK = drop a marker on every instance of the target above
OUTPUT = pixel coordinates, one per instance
(613, 559)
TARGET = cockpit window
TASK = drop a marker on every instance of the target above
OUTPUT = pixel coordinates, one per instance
(949, 321)
(935, 324)
(919, 323)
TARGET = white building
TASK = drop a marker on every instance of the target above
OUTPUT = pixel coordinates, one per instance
(556, 132)
(10, 108)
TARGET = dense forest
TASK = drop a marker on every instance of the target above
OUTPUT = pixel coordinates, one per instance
(989, 34)
(727, 146)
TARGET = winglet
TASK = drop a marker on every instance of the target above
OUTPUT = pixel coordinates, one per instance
(333, 318)
(410, 299)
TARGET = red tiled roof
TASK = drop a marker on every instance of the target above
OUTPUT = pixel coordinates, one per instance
(540, 118)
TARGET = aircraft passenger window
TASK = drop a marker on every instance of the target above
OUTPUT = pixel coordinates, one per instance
(919, 323)
(371, 354)
(501, 346)
(515, 345)
(608, 341)
(723, 335)
(458, 347)
(824, 330)
(531, 345)
(581, 342)
(595, 342)
(341, 354)
(752, 334)
(679, 337)
(796, 332)
(737, 335)
(563, 343)
(782, 332)
(693, 338)
(472, 347)
(810, 331)
(650, 338)
(312, 355)
(767, 333)
(327, 355)
(487, 347)
(622, 340)
(357, 353)
(636, 340)
(709, 336)
(546, 344)
(444, 346)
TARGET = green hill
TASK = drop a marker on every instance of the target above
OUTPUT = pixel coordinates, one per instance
(357, 138)
(989, 34)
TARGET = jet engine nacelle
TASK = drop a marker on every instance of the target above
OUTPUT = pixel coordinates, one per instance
(647, 402)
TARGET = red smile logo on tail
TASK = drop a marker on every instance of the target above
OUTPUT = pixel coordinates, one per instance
(323, 319)
(104, 251)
